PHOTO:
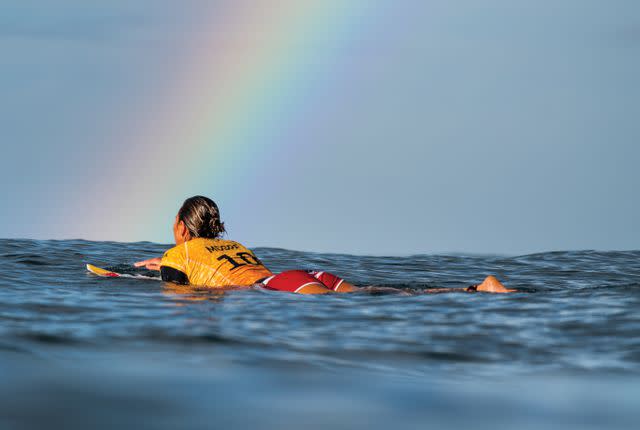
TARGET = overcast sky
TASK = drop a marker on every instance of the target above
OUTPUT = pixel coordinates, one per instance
(479, 126)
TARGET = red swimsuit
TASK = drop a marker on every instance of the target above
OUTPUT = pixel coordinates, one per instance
(294, 280)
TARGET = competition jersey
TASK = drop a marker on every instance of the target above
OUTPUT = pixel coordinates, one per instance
(216, 263)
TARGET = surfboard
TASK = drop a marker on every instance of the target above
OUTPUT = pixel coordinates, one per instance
(105, 273)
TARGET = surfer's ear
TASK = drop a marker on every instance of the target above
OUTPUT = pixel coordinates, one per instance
(180, 232)
(183, 231)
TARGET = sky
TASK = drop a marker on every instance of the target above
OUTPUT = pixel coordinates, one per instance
(367, 127)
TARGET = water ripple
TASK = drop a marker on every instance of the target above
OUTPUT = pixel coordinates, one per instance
(578, 310)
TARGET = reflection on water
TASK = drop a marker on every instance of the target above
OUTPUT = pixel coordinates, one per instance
(192, 293)
(93, 352)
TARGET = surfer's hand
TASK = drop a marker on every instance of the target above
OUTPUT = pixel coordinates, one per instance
(151, 264)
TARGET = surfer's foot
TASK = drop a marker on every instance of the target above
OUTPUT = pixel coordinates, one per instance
(492, 285)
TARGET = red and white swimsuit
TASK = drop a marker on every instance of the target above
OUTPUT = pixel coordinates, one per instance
(295, 280)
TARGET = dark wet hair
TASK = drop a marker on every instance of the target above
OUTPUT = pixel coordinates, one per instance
(201, 216)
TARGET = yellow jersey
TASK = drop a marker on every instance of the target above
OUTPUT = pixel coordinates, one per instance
(212, 263)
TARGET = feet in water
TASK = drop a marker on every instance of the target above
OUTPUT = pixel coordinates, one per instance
(492, 285)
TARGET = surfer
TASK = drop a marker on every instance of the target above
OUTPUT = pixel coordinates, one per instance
(201, 257)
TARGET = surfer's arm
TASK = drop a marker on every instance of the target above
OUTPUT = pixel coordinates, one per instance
(150, 264)
(169, 274)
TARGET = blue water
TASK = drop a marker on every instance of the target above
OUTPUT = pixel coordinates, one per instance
(78, 351)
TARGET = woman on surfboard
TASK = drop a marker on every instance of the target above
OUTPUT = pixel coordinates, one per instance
(201, 257)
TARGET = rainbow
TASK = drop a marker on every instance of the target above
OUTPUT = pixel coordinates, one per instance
(249, 74)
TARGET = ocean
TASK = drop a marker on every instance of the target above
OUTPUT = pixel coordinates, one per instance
(78, 351)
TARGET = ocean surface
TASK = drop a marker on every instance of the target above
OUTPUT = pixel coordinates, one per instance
(78, 351)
